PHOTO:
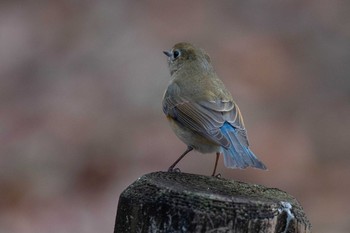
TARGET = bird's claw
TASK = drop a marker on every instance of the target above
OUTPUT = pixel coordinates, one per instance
(171, 169)
(217, 175)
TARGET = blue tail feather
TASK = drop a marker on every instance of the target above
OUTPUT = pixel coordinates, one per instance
(238, 155)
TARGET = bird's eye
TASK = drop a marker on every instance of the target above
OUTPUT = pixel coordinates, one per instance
(176, 54)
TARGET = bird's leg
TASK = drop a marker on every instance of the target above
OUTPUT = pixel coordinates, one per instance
(216, 164)
(171, 168)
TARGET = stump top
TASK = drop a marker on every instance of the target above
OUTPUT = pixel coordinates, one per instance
(198, 198)
(207, 186)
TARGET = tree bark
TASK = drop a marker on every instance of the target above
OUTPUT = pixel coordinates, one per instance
(181, 202)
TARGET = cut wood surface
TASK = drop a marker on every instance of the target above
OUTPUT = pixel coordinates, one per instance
(182, 202)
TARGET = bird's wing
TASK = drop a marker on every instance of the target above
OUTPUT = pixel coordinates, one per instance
(230, 113)
(203, 117)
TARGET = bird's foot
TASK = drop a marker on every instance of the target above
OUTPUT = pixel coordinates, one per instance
(171, 169)
(217, 175)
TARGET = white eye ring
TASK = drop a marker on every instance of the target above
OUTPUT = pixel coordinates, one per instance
(176, 53)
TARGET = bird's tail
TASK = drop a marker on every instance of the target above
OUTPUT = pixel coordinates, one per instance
(238, 155)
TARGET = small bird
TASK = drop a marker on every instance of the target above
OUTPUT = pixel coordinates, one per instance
(201, 111)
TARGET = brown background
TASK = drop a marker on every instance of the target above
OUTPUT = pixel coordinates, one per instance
(80, 103)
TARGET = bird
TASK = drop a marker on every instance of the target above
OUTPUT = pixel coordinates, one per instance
(202, 112)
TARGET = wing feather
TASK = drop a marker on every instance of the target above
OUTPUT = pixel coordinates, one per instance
(204, 117)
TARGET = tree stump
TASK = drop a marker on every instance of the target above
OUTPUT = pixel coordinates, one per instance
(181, 202)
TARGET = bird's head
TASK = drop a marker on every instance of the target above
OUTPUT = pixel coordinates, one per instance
(183, 54)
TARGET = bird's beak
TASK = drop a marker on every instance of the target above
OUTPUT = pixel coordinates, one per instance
(167, 53)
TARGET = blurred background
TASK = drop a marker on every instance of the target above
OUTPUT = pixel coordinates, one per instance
(80, 103)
